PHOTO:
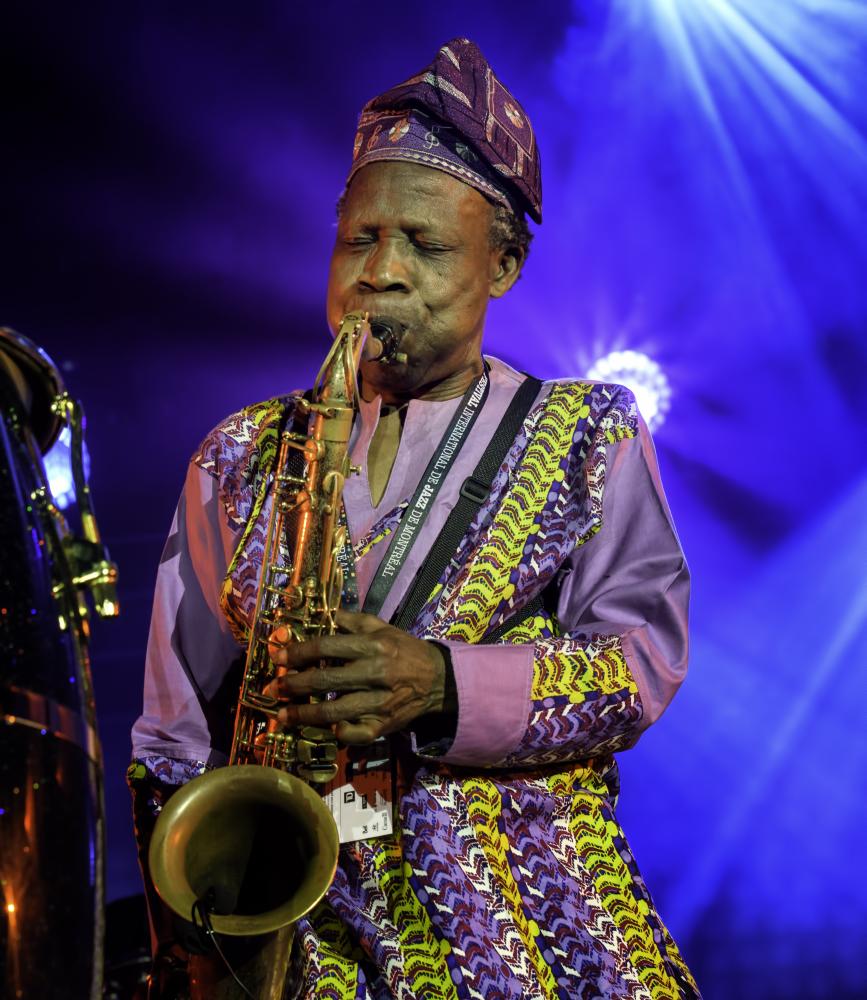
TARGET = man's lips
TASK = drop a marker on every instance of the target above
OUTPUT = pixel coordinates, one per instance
(385, 308)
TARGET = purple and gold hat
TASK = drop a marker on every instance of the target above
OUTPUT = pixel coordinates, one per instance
(456, 116)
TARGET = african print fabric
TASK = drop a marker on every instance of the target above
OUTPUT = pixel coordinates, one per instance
(457, 116)
(509, 878)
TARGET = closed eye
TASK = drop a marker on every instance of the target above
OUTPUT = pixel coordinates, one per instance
(431, 248)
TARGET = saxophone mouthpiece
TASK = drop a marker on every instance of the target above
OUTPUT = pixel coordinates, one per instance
(383, 345)
(373, 349)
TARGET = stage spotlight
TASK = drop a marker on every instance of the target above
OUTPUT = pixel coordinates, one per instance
(643, 376)
(58, 469)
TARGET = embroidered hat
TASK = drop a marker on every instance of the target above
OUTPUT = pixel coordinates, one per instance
(458, 117)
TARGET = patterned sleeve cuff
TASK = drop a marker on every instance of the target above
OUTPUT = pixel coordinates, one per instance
(153, 779)
(172, 770)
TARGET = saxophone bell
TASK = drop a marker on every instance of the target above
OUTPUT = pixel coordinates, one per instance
(253, 846)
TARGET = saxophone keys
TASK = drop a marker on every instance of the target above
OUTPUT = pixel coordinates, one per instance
(294, 480)
(316, 751)
(294, 596)
(314, 450)
(318, 775)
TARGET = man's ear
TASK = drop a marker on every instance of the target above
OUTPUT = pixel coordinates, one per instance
(506, 267)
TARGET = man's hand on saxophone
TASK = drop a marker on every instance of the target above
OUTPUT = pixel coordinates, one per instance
(383, 677)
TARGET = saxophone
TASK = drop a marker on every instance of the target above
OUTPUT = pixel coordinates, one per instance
(248, 850)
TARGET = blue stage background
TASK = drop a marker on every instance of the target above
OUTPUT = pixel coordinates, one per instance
(170, 178)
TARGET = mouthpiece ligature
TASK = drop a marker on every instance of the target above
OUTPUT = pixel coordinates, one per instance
(389, 338)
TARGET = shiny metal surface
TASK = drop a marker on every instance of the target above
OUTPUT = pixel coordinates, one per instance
(51, 891)
(253, 842)
(42, 380)
(51, 814)
(261, 840)
(28, 708)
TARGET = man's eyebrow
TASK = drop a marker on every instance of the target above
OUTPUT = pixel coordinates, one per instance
(413, 226)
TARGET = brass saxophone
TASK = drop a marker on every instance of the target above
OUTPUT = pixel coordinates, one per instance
(251, 849)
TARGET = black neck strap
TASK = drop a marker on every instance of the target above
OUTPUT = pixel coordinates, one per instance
(473, 494)
(409, 528)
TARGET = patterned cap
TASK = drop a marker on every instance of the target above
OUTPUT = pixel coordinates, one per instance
(458, 117)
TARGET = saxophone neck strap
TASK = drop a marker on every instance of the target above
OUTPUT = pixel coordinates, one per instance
(407, 531)
(473, 493)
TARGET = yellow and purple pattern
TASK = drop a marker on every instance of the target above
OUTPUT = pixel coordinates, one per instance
(514, 880)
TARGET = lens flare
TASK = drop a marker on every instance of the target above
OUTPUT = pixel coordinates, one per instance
(643, 376)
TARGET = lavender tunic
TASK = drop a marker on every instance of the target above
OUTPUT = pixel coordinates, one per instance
(191, 648)
(508, 874)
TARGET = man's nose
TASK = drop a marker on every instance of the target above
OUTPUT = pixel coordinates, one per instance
(385, 269)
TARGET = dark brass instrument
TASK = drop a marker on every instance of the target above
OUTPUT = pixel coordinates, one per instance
(254, 842)
(51, 811)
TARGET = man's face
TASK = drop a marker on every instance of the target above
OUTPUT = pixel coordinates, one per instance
(413, 247)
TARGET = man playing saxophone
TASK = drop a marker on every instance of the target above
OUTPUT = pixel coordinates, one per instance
(514, 615)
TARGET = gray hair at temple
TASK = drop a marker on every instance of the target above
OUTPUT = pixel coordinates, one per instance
(510, 230)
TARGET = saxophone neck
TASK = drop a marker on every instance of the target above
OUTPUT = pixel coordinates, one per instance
(337, 380)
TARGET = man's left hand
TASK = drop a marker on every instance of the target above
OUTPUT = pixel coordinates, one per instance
(386, 679)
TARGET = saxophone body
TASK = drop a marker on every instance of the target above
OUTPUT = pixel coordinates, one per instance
(301, 578)
(248, 849)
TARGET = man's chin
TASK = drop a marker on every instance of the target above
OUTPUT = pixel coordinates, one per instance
(396, 381)
(389, 374)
